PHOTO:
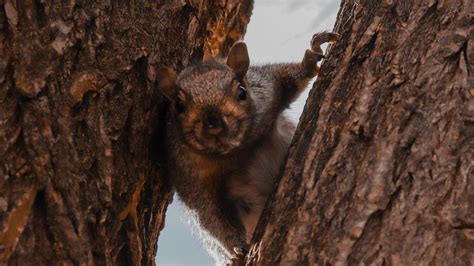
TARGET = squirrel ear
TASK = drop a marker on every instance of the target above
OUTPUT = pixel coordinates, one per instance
(238, 59)
(167, 82)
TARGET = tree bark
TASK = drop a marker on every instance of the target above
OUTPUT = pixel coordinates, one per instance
(79, 180)
(381, 169)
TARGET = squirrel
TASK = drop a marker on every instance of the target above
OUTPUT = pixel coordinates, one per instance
(227, 138)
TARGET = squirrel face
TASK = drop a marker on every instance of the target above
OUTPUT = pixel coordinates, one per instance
(211, 103)
(213, 108)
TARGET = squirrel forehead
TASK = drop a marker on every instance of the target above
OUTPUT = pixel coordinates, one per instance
(206, 83)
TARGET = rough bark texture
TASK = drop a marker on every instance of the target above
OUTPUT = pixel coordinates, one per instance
(381, 169)
(78, 111)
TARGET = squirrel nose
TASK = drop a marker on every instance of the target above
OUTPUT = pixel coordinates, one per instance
(213, 123)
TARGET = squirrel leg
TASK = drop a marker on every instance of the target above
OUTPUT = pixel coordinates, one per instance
(224, 228)
(293, 78)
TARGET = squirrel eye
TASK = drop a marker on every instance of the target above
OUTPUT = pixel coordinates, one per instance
(242, 93)
(179, 106)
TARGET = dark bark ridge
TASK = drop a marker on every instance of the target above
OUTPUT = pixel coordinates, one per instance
(381, 166)
(78, 111)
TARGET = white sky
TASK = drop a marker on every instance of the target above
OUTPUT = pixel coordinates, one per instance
(279, 31)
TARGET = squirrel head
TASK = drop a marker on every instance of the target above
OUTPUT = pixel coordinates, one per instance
(211, 102)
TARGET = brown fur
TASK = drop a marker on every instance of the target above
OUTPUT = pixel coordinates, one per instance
(227, 138)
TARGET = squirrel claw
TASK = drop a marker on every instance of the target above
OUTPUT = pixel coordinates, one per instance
(323, 37)
(240, 251)
(238, 257)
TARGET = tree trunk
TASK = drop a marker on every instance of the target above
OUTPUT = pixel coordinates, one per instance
(79, 182)
(381, 169)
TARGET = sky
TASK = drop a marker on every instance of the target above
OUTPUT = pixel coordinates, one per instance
(279, 31)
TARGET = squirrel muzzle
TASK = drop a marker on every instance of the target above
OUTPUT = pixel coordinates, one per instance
(213, 122)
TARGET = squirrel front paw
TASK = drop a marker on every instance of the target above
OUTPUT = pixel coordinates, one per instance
(315, 54)
(238, 256)
(323, 37)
